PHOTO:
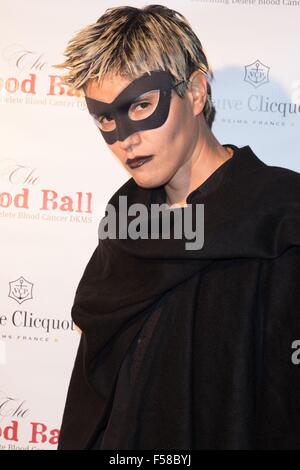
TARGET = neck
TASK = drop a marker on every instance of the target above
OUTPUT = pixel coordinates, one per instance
(206, 158)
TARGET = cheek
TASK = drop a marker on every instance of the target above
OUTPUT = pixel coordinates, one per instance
(167, 136)
(178, 131)
(115, 150)
(175, 121)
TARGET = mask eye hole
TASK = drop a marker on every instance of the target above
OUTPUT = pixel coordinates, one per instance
(144, 105)
(105, 122)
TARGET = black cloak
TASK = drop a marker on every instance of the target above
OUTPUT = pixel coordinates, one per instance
(219, 327)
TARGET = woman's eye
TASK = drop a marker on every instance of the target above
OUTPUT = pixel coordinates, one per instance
(143, 105)
(107, 117)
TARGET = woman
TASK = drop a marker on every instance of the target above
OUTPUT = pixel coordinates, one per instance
(181, 348)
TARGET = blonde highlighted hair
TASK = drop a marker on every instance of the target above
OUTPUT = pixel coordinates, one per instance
(131, 41)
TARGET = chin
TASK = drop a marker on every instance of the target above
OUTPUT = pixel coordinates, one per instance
(152, 178)
(152, 181)
(148, 183)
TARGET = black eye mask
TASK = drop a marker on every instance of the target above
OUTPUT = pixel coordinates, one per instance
(118, 109)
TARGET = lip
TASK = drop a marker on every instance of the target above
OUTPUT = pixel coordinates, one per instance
(138, 161)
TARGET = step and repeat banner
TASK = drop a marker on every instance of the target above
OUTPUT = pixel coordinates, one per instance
(57, 174)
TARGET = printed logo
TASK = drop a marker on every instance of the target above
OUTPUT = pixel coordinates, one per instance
(256, 74)
(20, 290)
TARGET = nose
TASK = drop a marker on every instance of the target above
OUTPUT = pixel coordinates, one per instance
(125, 129)
(128, 144)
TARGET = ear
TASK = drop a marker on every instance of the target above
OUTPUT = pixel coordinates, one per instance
(197, 91)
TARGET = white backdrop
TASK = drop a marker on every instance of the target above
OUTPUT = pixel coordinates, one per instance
(54, 167)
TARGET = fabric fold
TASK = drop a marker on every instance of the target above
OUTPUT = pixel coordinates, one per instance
(207, 380)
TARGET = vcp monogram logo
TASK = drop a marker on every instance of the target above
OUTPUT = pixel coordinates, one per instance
(256, 74)
(20, 290)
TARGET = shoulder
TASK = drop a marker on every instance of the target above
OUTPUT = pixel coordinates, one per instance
(284, 175)
(280, 183)
(270, 184)
(128, 188)
(263, 189)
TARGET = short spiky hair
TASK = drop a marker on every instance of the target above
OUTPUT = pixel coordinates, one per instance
(131, 41)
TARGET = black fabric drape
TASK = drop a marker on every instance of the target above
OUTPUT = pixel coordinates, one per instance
(216, 372)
